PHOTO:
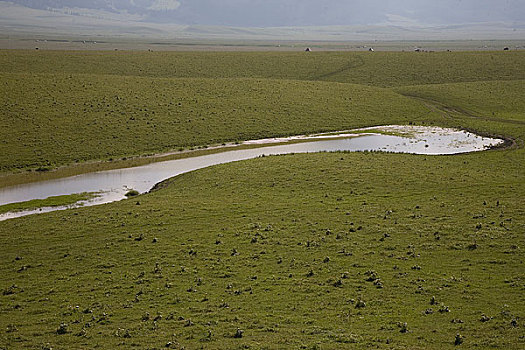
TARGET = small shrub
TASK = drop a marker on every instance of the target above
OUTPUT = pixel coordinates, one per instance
(404, 327)
(132, 193)
(472, 246)
(338, 283)
(372, 276)
(484, 318)
(444, 308)
(360, 304)
(12, 290)
(62, 329)
(238, 333)
(458, 340)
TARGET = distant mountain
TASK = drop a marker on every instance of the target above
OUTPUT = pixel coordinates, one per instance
(279, 13)
(146, 10)
(270, 19)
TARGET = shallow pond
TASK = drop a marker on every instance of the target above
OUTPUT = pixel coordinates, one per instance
(113, 184)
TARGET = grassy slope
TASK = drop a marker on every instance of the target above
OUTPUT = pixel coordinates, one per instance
(300, 209)
(488, 100)
(61, 118)
(66, 107)
(378, 68)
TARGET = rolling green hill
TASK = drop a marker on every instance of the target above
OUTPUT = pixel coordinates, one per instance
(309, 251)
(110, 105)
(385, 69)
(60, 119)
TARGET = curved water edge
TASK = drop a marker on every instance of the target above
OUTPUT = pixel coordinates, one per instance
(112, 185)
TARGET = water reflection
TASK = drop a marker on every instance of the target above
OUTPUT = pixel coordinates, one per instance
(113, 184)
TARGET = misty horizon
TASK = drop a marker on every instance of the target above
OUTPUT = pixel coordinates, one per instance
(270, 19)
(290, 13)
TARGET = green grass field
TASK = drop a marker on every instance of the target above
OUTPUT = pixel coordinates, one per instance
(69, 108)
(55, 201)
(384, 69)
(312, 251)
(115, 117)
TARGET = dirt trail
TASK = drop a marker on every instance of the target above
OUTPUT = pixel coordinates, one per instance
(450, 111)
(354, 63)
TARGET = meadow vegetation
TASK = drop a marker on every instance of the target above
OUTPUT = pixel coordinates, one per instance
(385, 69)
(312, 251)
(134, 103)
(55, 201)
(116, 117)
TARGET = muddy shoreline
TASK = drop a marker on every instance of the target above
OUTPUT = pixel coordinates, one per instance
(32, 175)
(113, 185)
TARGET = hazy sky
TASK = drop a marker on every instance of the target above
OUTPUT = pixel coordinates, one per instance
(270, 13)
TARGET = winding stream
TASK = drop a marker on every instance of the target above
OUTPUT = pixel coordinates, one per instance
(112, 185)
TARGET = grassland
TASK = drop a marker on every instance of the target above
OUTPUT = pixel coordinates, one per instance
(55, 201)
(119, 117)
(326, 251)
(384, 69)
(65, 108)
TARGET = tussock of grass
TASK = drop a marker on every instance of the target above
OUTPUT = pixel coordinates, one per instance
(132, 193)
